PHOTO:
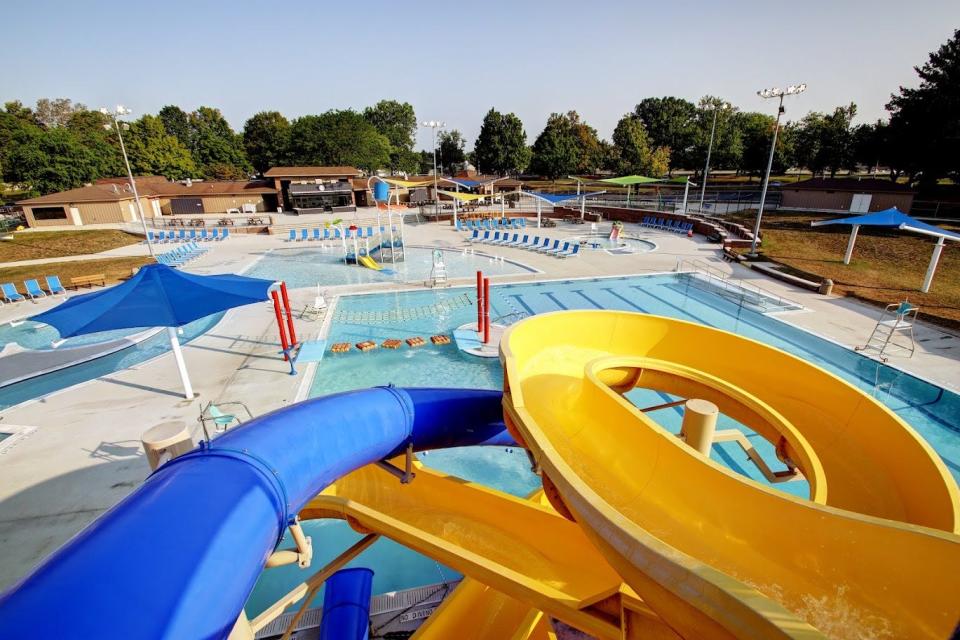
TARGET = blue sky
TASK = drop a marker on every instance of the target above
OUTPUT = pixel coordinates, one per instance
(453, 61)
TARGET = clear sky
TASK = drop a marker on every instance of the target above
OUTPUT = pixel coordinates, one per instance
(453, 61)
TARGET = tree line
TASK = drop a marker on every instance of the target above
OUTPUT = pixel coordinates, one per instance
(58, 144)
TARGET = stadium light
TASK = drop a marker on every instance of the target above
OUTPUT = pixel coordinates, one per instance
(779, 93)
(706, 167)
(434, 125)
(119, 111)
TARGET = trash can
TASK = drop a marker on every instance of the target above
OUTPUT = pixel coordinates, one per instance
(165, 442)
(826, 286)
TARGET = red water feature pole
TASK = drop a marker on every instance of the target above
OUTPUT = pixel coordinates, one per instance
(286, 305)
(486, 310)
(479, 301)
(283, 332)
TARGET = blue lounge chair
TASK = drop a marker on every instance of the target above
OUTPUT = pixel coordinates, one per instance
(506, 239)
(316, 234)
(293, 235)
(531, 244)
(460, 225)
(150, 237)
(10, 293)
(193, 234)
(33, 289)
(474, 236)
(204, 235)
(326, 235)
(214, 233)
(336, 234)
(224, 233)
(543, 245)
(575, 250)
(521, 242)
(547, 246)
(556, 252)
(182, 235)
(495, 239)
(303, 234)
(54, 286)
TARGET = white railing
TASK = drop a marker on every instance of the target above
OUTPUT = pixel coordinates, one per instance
(737, 288)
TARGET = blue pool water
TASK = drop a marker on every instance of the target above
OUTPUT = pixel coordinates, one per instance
(36, 335)
(603, 241)
(932, 411)
(309, 266)
(141, 352)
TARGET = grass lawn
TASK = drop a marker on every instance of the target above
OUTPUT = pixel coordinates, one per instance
(886, 267)
(112, 268)
(54, 244)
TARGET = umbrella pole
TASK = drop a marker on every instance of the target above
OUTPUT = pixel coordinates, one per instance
(932, 267)
(181, 365)
(852, 241)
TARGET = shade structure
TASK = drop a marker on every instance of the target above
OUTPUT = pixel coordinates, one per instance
(157, 296)
(893, 218)
(629, 181)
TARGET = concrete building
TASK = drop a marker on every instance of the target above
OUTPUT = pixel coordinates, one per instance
(111, 201)
(846, 195)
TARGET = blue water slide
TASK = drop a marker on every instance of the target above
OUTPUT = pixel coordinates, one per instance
(346, 605)
(179, 556)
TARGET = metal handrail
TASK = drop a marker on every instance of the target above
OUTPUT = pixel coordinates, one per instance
(736, 285)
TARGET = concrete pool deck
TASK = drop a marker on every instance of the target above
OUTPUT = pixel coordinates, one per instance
(83, 453)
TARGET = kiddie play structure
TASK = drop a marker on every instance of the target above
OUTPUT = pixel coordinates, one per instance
(637, 534)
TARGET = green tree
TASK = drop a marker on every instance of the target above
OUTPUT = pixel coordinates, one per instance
(17, 124)
(342, 138)
(873, 147)
(266, 138)
(727, 139)
(925, 121)
(398, 123)
(556, 151)
(215, 143)
(51, 160)
(176, 121)
(450, 153)
(588, 143)
(634, 151)
(153, 151)
(756, 134)
(501, 147)
(670, 122)
(824, 142)
(95, 131)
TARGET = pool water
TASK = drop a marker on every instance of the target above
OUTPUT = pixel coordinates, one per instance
(311, 266)
(932, 411)
(141, 352)
(625, 244)
(36, 335)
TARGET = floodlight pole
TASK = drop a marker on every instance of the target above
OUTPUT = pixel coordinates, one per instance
(434, 125)
(706, 167)
(122, 111)
(781, 94)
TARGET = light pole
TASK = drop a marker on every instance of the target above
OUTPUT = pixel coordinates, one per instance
(434, 125)
(775, 92)
(121, 110)
(706, 167)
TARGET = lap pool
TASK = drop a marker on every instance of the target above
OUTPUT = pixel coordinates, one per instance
(931, 410)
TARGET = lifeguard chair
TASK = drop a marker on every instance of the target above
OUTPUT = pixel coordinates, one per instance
(894, 330)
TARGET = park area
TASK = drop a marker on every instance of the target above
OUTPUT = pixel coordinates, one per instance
(886, 267)
(34, 245)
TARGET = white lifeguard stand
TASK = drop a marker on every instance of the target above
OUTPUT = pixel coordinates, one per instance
(894, 330)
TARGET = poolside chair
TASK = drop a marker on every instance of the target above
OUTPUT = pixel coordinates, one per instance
(337, 235)
(474, 236)
(521, 242)
(531, 243)
(543, 245)
(575, 250)
(193, 234)
(316, 234)
(214, 233)
(506, 239)
(151, 238)
(495, 239)
(54, 286)
(224, 233)
(204, 235)
(292, 236)
(33, 289)
(303, 235)
(10, 293)
(548, 247)
(557, 252)
(182, 235)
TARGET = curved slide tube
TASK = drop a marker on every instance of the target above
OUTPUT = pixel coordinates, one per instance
(179, 556)
(715, 554)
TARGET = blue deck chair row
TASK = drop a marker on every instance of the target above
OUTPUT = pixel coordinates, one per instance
(181, 255)
(667, 224)
(491, 224)
(188, 235)
(546, 245)
(9, 293)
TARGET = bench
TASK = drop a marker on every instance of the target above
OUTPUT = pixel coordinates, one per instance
(88, 281)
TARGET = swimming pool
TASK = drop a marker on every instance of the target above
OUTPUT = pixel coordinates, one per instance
(36, 335)
(141, 352)
(622, 245)
(932, 411)
(310, 266)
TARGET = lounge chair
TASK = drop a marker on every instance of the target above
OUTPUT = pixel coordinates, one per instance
(151, 237)
(182, 235)
(474, 236)
(293, 235)
(543, 245)
(204, 235)
(495, 238)
(548, 249)
(33, 289)
(303, 235)
(557, 252)
(531, 244)
(215, 233)
(521, 242)
(10, 293)
(54, 286)
(575, 250)
(224, 233)
(316, 234)
(506, 240)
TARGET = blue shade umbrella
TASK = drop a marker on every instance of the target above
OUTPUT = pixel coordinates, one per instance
(157, 296)
(893, 218)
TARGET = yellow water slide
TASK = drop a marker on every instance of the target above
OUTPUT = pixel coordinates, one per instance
(517, 551)
(873, 552)
(370, 263)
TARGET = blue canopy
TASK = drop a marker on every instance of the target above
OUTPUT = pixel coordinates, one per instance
(553, 198)
(465, 183)
(894, 218)
(157, 296)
